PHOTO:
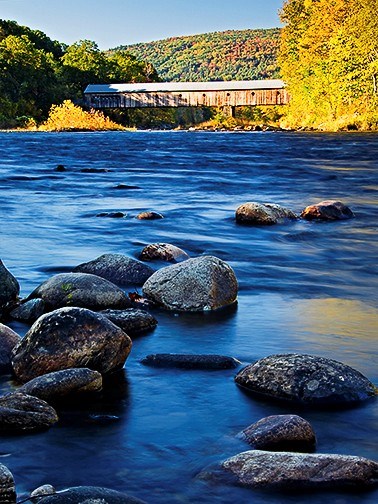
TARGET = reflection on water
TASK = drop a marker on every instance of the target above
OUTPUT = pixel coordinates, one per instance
(304, 287)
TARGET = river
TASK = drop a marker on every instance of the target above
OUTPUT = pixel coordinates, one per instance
(304, 287)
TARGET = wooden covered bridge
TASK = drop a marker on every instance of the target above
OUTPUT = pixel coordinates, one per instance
(225, 94)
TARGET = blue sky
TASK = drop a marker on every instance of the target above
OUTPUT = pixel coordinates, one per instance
(114, 22)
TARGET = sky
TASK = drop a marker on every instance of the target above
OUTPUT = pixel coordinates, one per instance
(111, 23)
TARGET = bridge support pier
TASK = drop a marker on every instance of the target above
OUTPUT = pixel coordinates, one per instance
(229, 110)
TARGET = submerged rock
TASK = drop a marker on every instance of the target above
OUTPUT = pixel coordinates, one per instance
(202, 283)
(89, 495)
(328, 211)
(262, 214)
(186, 361)
(112, 215)
(163, 252)
(29, 311)
(306, 379)
(117, 268)
(283, 470)
(149, 216)
(60, 384)
(43, 491)
(20, 412)
(8, 340)
(281, 433)
(70, 338)
(132, 320)
(82, 290)
(7, 486)
(9, 288)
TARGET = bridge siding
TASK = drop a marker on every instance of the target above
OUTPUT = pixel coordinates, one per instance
(188, 99)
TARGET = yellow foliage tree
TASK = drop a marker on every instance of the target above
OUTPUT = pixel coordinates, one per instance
(71, 117)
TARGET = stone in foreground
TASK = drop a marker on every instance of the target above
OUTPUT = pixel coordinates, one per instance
(9, 287)
(262, 214)
(8, 340)
(70, 338)
(202, 283)
(163, 252)
(283, 470)
(185, 361)
(20, 413)
(281, 433)
(7, 486)
(327, 211)
(306, 379)
(117, 268)
(132, 320)
(60, 384)
(89, 495)
(82, 290)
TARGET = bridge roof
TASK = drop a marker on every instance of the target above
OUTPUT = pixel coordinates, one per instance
(156, 87)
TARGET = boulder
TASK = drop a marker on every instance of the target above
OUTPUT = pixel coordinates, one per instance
(327, 211)
(281, 433)
(117, 268)
(7, 486)
(20, 412)
(8, 340)
(306, 379)
(149, 216)
(202, 283)
(89, 495)
(163, 252)
(42, 491)
(284, 470)
(29, 311)
(132, 320)
(185, 361)
(60, 384)
(81, 290)
(262, 213)
(9, 288)
(70, 338)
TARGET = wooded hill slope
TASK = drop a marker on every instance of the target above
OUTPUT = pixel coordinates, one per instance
(228, 55)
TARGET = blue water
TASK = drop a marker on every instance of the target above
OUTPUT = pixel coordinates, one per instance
(304, 286)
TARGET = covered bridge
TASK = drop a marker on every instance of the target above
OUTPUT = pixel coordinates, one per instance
(226, 94)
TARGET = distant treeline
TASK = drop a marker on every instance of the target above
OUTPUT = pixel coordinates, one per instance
(36, 72)
(228, 55)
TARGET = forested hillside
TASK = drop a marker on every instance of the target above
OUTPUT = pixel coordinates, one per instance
(229, 55)
(36, 72)
(329, 59)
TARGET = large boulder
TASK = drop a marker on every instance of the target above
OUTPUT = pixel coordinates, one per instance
(8, 340)
(306, 379)
(163, 252)
(88, 495)
(202, 283)
(284, 470)
(7, 486)
(329, 210)
(117, 268)
(9, 288)
(70, 338)
(281, 433)
(131, 320)
(20, 412)
(262, 213)
(60, 384)
(188, 361)
(82, 290)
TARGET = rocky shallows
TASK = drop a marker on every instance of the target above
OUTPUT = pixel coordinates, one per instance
(198, 284)
(306, 379)
(117, 268)
(263, 214)
(285, 470)
(80, 289)
(70, 338)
